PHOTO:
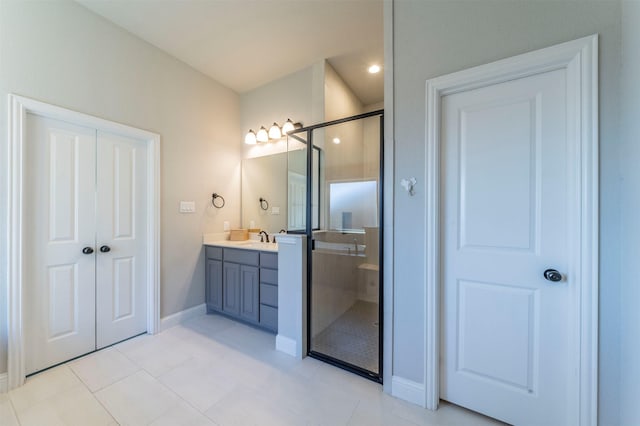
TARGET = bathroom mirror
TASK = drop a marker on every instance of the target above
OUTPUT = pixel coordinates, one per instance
(280, 180)
(297, 186)
(265, 178)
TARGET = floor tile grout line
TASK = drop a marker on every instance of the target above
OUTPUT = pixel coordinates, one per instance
(15, 412)
(139, 368)
(93, 394)
(176, 394)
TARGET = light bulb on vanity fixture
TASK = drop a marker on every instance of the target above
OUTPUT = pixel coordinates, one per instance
(262, 135)
(250, 138)
(288, 126)
(274, 131)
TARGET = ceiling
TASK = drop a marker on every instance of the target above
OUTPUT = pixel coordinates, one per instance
(244, 44)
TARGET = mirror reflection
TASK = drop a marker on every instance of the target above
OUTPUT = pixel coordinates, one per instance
(266, 178)
(280, 181)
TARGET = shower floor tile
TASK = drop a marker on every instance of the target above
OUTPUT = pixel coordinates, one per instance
(353, 337)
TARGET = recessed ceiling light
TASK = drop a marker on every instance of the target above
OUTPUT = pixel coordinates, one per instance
(374, 69)
(336, 140)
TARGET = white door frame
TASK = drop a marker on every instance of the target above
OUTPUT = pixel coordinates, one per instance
(579, 59)
(18, 108)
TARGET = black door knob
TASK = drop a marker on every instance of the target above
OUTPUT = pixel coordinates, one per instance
(105, 249)
(552, 275)
(87, 250)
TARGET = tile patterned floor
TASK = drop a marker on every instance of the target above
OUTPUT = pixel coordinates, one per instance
(353, 337)
(209, 371)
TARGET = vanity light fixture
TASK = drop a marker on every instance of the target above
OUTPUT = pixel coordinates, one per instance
(274, 131)
(250, 138)
(262, 135)
(374, 69)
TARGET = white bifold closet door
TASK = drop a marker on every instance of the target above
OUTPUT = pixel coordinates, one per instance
(83, 239)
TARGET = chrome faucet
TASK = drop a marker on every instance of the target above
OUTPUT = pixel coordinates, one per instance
(355, 243)
(265, 236)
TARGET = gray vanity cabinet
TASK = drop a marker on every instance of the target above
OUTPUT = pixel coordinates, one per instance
(213, 276)
(243, 284)
(249, 293)
(269, 290)
(231, 288)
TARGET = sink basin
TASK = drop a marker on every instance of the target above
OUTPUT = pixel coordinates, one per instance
(257, 245)
(245, 245)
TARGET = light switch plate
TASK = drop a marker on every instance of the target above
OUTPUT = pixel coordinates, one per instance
(275, 210)
(187, 206)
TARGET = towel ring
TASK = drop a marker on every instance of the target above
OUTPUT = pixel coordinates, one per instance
(215, 196)
(264, 204)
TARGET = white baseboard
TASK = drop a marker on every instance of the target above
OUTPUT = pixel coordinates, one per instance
(175, 319)
(286, 345)
(3, 382)
(408, 390)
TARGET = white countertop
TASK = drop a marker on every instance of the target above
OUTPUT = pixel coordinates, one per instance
(216, 240)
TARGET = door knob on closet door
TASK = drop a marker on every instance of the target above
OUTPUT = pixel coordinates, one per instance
(87, 250)
(552, 275)
(105, 249)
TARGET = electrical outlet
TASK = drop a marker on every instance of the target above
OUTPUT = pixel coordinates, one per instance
(226, 226)
(187, 206)
(275, 210)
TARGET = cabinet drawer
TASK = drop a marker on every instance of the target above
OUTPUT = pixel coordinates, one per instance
(213, 252)
(269, 317)
(269, 260)
(269, 276)
(246, 257)
(269, 294)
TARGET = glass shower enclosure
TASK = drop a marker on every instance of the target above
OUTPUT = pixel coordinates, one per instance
(341, 180)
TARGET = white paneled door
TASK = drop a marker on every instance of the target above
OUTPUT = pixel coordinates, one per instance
(84, 253)
(505, 212)
(60, 204)
(120, 239)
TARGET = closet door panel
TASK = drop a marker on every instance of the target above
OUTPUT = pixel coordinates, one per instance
(59, 201)
(121, 277)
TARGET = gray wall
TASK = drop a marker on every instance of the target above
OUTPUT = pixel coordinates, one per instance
(630, 195)
(433, 38)
(60, 53)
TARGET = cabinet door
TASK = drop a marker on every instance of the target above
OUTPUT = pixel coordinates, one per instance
(213, 289)
(231, 288)
(250, 297)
